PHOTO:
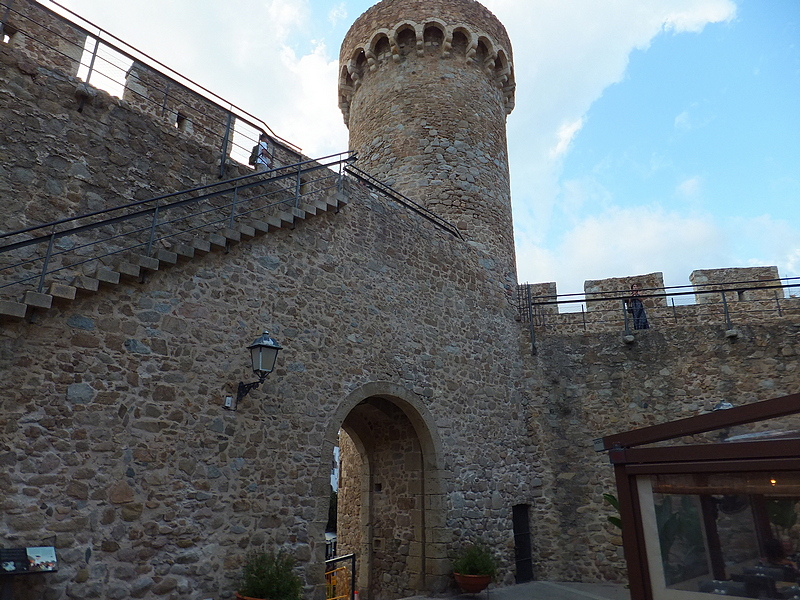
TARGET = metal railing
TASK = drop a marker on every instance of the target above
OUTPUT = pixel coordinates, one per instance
(728, 303)
(340, 582)
(59, 250)
(390, 192)
(107, 60)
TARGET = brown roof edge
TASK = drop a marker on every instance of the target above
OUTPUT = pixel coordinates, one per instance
(749, 413)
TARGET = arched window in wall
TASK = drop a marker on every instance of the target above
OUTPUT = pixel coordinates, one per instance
(460, 43)
(433, 38)
(406, 40)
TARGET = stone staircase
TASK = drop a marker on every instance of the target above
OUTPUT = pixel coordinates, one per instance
(133, 267)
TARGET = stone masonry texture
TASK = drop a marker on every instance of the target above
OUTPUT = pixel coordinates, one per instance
(115, 448)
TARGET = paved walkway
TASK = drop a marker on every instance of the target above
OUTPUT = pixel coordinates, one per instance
(547, 590)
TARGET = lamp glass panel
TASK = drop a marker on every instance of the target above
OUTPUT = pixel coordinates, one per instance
(264, 358)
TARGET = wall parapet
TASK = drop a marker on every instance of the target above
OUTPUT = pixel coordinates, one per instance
(101, 60)
(731, 297)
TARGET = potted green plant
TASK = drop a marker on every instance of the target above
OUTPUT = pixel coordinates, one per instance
(474, 569)
(269, 576)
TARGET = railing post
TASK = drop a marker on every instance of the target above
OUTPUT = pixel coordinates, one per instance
(231, 221)
(152, 231)
(529, 302)
(91, 62)
(47, 259)
(778, 303)
(674, 312)
(583, 317)
(297, 188)
(340, 182)
(223, 161)
(166, 97)
(353, 577)
(625, 317)
(728, 324)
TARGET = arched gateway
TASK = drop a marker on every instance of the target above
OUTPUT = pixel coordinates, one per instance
(390, 492)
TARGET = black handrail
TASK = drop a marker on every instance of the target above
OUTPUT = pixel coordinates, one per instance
(148, 213)
(383, 188)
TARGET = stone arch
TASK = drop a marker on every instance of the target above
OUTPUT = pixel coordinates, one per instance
(460, 41)
(405, 39)
(433, 36)
(399, 504)
(485, 53)
(379, 49)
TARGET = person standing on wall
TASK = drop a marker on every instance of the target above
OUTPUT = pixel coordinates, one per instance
(636, 308)
(264, 160)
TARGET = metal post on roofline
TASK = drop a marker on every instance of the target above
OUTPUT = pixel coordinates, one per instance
(91, 62)
(297, 188)
(47, 259)
(625, 317)
(728, 324)
(224, 158)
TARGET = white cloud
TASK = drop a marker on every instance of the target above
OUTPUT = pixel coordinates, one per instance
(565, 135)
(689, 187)
(566, 53)
(337, 14)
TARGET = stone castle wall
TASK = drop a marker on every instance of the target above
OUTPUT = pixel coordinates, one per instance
(114, 446)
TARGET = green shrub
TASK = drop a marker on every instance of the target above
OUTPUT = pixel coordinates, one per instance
(271, 576)
(475, 560)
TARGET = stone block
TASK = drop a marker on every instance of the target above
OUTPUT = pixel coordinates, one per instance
(232, 235)
(201, 245)
(217, 240)
(65, 292)
(106, 275)
(13, 309)
(86, 283)
(167, 257)
(147, 262)
(128, 269)
(38, 299)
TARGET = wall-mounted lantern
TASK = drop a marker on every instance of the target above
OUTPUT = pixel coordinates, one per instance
(263, 353)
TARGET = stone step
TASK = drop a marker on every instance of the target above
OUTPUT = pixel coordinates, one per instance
(184, 251)
(215, 239)
(13, 309)
(260, 226)
(106, 275)
(129, 269)
(247, 231)
(64, 292)
(167, 257)
(37, 299)
(146, 262)
(201, 245)
(310, 209)
(86, 283)
(232, 235)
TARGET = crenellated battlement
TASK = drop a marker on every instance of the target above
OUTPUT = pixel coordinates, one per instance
(432, 37)
(732, 297)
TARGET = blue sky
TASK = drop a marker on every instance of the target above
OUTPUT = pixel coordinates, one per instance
(648, 135)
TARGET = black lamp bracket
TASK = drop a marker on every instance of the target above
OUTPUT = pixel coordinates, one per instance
(244, 388)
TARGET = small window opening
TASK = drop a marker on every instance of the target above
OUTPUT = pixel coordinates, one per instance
(378, 487)
(181, 121)
(8, 33)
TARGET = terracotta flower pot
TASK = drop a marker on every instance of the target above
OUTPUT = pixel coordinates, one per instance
(240, 597)
(472, 584)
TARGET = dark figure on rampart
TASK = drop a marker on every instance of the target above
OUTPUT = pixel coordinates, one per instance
(636, 308)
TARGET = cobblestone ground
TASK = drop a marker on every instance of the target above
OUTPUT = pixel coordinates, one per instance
(548, 590)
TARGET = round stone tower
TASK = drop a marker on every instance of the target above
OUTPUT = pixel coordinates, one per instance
(425, 87)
